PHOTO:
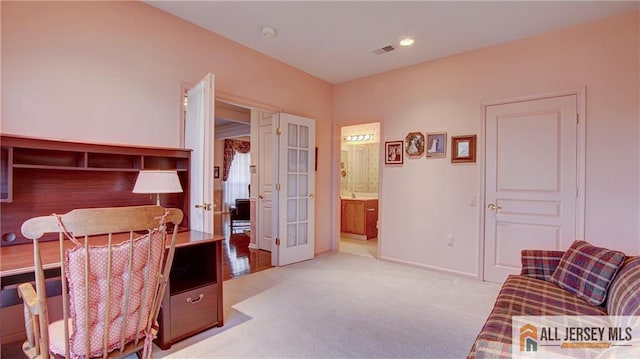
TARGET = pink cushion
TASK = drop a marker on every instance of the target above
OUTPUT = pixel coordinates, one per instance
(56, 336)
(142, 289)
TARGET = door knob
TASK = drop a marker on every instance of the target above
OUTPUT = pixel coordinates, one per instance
(493, 207)
(260, 196)
(205, 206)
(312, 196)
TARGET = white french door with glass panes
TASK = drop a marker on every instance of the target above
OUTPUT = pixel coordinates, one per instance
(296, 194)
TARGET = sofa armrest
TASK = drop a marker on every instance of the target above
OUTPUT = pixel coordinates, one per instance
(539, 263)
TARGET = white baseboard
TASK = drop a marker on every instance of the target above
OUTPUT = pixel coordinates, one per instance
(473, 276)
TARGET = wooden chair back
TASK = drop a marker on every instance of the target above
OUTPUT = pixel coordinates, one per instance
(93, 237)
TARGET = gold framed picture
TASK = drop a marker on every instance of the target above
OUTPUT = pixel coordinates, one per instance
(463, 148)
(414, 144)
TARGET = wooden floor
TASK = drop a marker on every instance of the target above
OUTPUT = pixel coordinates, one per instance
(237, 258)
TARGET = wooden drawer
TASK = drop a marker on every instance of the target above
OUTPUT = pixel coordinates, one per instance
(194, 310)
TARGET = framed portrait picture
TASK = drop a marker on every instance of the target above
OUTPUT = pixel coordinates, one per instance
(437, 145)
(393, 152)
(216, 171)
(463, 148)
(414, 144)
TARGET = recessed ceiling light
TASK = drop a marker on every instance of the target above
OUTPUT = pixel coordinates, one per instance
(407, 41)
(269, 31)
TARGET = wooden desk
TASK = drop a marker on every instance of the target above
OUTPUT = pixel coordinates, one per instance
(197, 269)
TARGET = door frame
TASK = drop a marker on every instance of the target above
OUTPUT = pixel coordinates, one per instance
(580, 94)
(335, 180)
(255, 128)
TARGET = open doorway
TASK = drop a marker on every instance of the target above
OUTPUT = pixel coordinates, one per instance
(234, 217)
(266, 167)
(232, 158)
(237, 119)
(359, 188)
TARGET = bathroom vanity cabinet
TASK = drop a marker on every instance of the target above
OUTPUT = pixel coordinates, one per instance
(359, 218)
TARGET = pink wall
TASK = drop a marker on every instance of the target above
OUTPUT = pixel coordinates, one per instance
(111, 72)
(424, 200)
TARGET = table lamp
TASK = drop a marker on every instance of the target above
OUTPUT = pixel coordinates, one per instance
(157, 182)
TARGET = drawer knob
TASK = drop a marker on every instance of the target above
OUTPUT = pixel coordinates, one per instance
(194, 301)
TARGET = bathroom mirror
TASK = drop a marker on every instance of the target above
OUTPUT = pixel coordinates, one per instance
(360, 162)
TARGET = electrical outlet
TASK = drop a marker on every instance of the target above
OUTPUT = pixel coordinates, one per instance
(450, 240)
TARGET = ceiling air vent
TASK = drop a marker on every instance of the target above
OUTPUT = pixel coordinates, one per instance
(383, 50)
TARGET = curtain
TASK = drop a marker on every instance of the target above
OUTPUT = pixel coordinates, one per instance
(231, 147)
(237, 183)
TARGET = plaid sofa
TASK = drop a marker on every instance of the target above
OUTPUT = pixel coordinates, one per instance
(531, 293)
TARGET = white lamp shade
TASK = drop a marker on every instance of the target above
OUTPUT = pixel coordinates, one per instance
(157, 182)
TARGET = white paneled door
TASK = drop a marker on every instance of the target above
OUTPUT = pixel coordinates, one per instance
(296, 192)
(199, 134)
(531, 180)
(265, 180)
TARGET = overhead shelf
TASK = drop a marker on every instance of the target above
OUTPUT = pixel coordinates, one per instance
(41, 176)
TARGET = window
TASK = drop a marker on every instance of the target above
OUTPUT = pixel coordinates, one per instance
(237, 185)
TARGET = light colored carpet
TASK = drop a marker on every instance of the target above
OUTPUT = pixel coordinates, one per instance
(341, 305)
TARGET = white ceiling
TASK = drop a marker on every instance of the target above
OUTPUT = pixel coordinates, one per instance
(333, 40)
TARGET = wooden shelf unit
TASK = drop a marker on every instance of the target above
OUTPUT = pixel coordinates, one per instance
(40, 177)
